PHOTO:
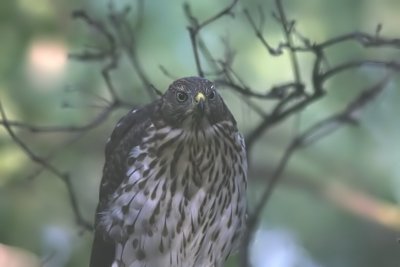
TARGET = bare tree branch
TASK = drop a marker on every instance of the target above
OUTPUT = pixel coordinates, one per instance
(365, 39)
(98, 120)
(110, 53)
(195, 28)
(287, 30)
(127, 39)
(287, 98)
(258, 32)
(309, 136)
(48, 166)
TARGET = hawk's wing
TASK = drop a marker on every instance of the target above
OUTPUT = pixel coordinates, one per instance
(128, 133)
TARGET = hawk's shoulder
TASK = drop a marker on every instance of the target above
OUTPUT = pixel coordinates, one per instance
(127, 133)
(134, 121)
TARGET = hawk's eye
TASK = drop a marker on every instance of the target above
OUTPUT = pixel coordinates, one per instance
(181, 96)
(211, 96)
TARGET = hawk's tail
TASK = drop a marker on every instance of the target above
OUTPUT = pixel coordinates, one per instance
(103, 252)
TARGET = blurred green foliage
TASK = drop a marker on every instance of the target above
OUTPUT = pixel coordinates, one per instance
(38, 85)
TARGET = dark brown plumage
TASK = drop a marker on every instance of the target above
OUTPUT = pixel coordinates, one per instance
(174, 181)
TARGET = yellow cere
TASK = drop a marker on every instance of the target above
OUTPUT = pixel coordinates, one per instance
(200, 96)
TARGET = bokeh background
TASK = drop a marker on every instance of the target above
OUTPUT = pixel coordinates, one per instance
(338, 202)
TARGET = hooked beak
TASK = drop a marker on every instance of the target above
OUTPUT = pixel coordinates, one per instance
(200, 101)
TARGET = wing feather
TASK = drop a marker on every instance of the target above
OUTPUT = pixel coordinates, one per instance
(128, 133)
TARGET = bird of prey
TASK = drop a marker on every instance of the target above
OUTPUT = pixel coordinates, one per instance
(173, 192)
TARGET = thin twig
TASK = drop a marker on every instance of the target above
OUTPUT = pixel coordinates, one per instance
(98, 120)
(127, 39)
(365, 39)
(63, 176)
(286, 26)
(258, 32)
(195, 27)
(392, 65)
(309, 136)
(110, 54)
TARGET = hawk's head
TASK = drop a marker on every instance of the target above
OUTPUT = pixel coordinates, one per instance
(194, 102)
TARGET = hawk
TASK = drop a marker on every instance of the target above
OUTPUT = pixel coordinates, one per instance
(174, 183)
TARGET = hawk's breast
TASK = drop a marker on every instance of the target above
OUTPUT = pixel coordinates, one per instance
(182, 202)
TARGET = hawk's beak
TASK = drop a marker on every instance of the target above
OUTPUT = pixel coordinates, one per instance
(200, 101)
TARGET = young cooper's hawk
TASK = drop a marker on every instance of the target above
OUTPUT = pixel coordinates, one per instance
(174, 182)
